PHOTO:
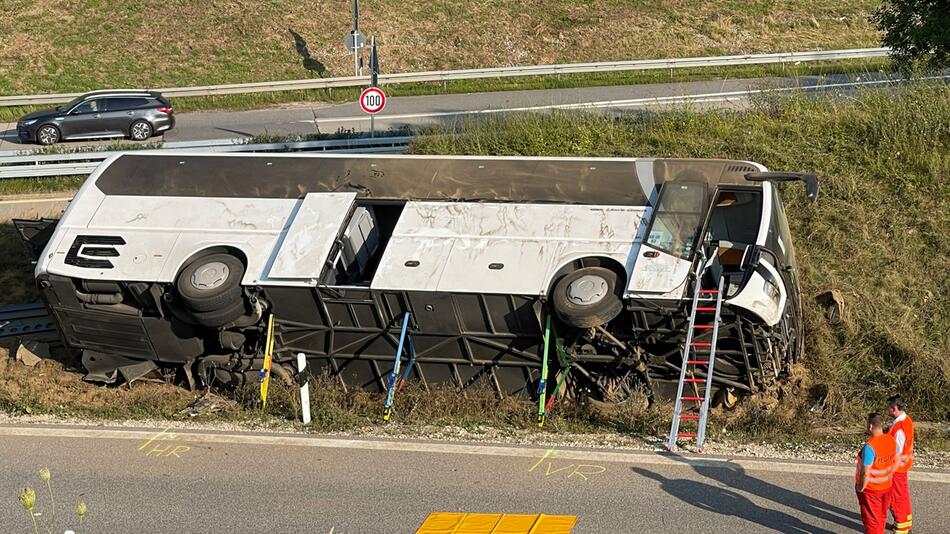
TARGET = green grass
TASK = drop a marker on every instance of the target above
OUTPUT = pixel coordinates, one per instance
(878, 233)
(74, 46)
(53, 184)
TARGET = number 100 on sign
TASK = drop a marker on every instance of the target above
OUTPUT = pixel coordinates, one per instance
(373, 100)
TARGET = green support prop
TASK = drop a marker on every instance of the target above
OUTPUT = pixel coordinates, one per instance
(543, 383)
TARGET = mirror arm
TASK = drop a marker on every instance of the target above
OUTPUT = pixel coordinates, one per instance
(811, 180)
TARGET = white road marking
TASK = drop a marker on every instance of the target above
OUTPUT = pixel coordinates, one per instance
(704, 98)
(614, 456)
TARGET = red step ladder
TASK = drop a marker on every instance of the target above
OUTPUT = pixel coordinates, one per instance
(697, 356)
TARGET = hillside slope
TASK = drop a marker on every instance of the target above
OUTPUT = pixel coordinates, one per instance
(75, 45)
(879, 232)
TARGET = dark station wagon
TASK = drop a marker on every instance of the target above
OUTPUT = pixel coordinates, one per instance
(136, 115)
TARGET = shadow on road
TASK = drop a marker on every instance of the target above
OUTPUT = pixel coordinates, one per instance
(728, 502)
(237, 132)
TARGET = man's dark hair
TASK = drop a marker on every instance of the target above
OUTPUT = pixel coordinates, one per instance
(896, 400)
(876, 420)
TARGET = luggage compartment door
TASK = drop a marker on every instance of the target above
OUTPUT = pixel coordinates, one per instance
(307, 240)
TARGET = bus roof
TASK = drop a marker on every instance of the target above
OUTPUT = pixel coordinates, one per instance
(600, 181)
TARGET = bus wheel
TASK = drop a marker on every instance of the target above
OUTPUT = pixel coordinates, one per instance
(220, 317)
(587, 297)
(211, 283)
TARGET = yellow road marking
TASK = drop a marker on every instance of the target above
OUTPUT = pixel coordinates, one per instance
(465, 523)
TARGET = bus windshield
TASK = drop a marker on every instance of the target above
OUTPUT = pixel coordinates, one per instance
(678, 218)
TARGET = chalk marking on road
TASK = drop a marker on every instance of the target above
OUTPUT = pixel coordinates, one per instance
(159, 451)
(549, 470)
(702, 98)
(549, 452)
(612, 456)
(156, 436)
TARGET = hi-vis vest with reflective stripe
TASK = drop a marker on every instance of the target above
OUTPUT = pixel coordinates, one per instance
(906, 456)
(885, 462)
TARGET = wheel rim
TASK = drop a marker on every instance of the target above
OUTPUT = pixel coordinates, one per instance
(586, 290)
(140, 130)
(47, 135)
(210, 276)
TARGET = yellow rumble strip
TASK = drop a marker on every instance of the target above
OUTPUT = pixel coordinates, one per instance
(461, 523)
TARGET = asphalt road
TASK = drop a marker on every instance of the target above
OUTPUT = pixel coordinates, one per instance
(448, 109)
(144, 481)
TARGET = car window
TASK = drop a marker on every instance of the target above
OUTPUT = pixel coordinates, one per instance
(125, 103)
(89, 106)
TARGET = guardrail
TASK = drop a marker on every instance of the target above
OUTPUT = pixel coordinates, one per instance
(83, 163)
(471, 74)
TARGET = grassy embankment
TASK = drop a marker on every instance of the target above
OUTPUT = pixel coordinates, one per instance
(77, 46)
(878, 234)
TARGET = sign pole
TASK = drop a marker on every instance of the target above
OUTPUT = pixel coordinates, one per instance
(356, 30)
(372, 101)
(374, 80)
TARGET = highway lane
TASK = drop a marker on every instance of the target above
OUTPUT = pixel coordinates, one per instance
(152, 481)
(450, 108)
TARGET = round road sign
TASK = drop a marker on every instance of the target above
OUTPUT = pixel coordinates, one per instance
(373, 100)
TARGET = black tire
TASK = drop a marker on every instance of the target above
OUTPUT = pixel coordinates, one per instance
(216, 318)
(604, 302)
(47, 135)
(140, 130)
(220, 295)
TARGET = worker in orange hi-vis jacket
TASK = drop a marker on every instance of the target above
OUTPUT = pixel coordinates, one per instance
(873, 477)
(902, 430)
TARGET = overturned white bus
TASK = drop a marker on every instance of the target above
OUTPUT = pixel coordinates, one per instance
(176, 259)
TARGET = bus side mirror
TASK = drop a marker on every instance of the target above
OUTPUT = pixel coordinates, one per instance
(811, 181)
(750, 257)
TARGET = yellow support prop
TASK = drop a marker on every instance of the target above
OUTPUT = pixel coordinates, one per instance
(268, 359)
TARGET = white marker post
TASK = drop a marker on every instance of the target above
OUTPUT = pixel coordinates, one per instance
(304, 389)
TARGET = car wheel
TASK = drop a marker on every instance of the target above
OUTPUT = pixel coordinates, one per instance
(587, 297)
(140, 131)
(47, 135)
(211, 282)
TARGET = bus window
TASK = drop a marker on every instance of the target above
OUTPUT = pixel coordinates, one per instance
(779, 239)
(678, 218)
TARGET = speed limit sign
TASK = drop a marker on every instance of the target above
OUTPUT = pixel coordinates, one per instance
(373, 100)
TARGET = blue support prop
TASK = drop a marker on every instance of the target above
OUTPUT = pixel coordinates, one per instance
(412, 361)
(391, 386)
